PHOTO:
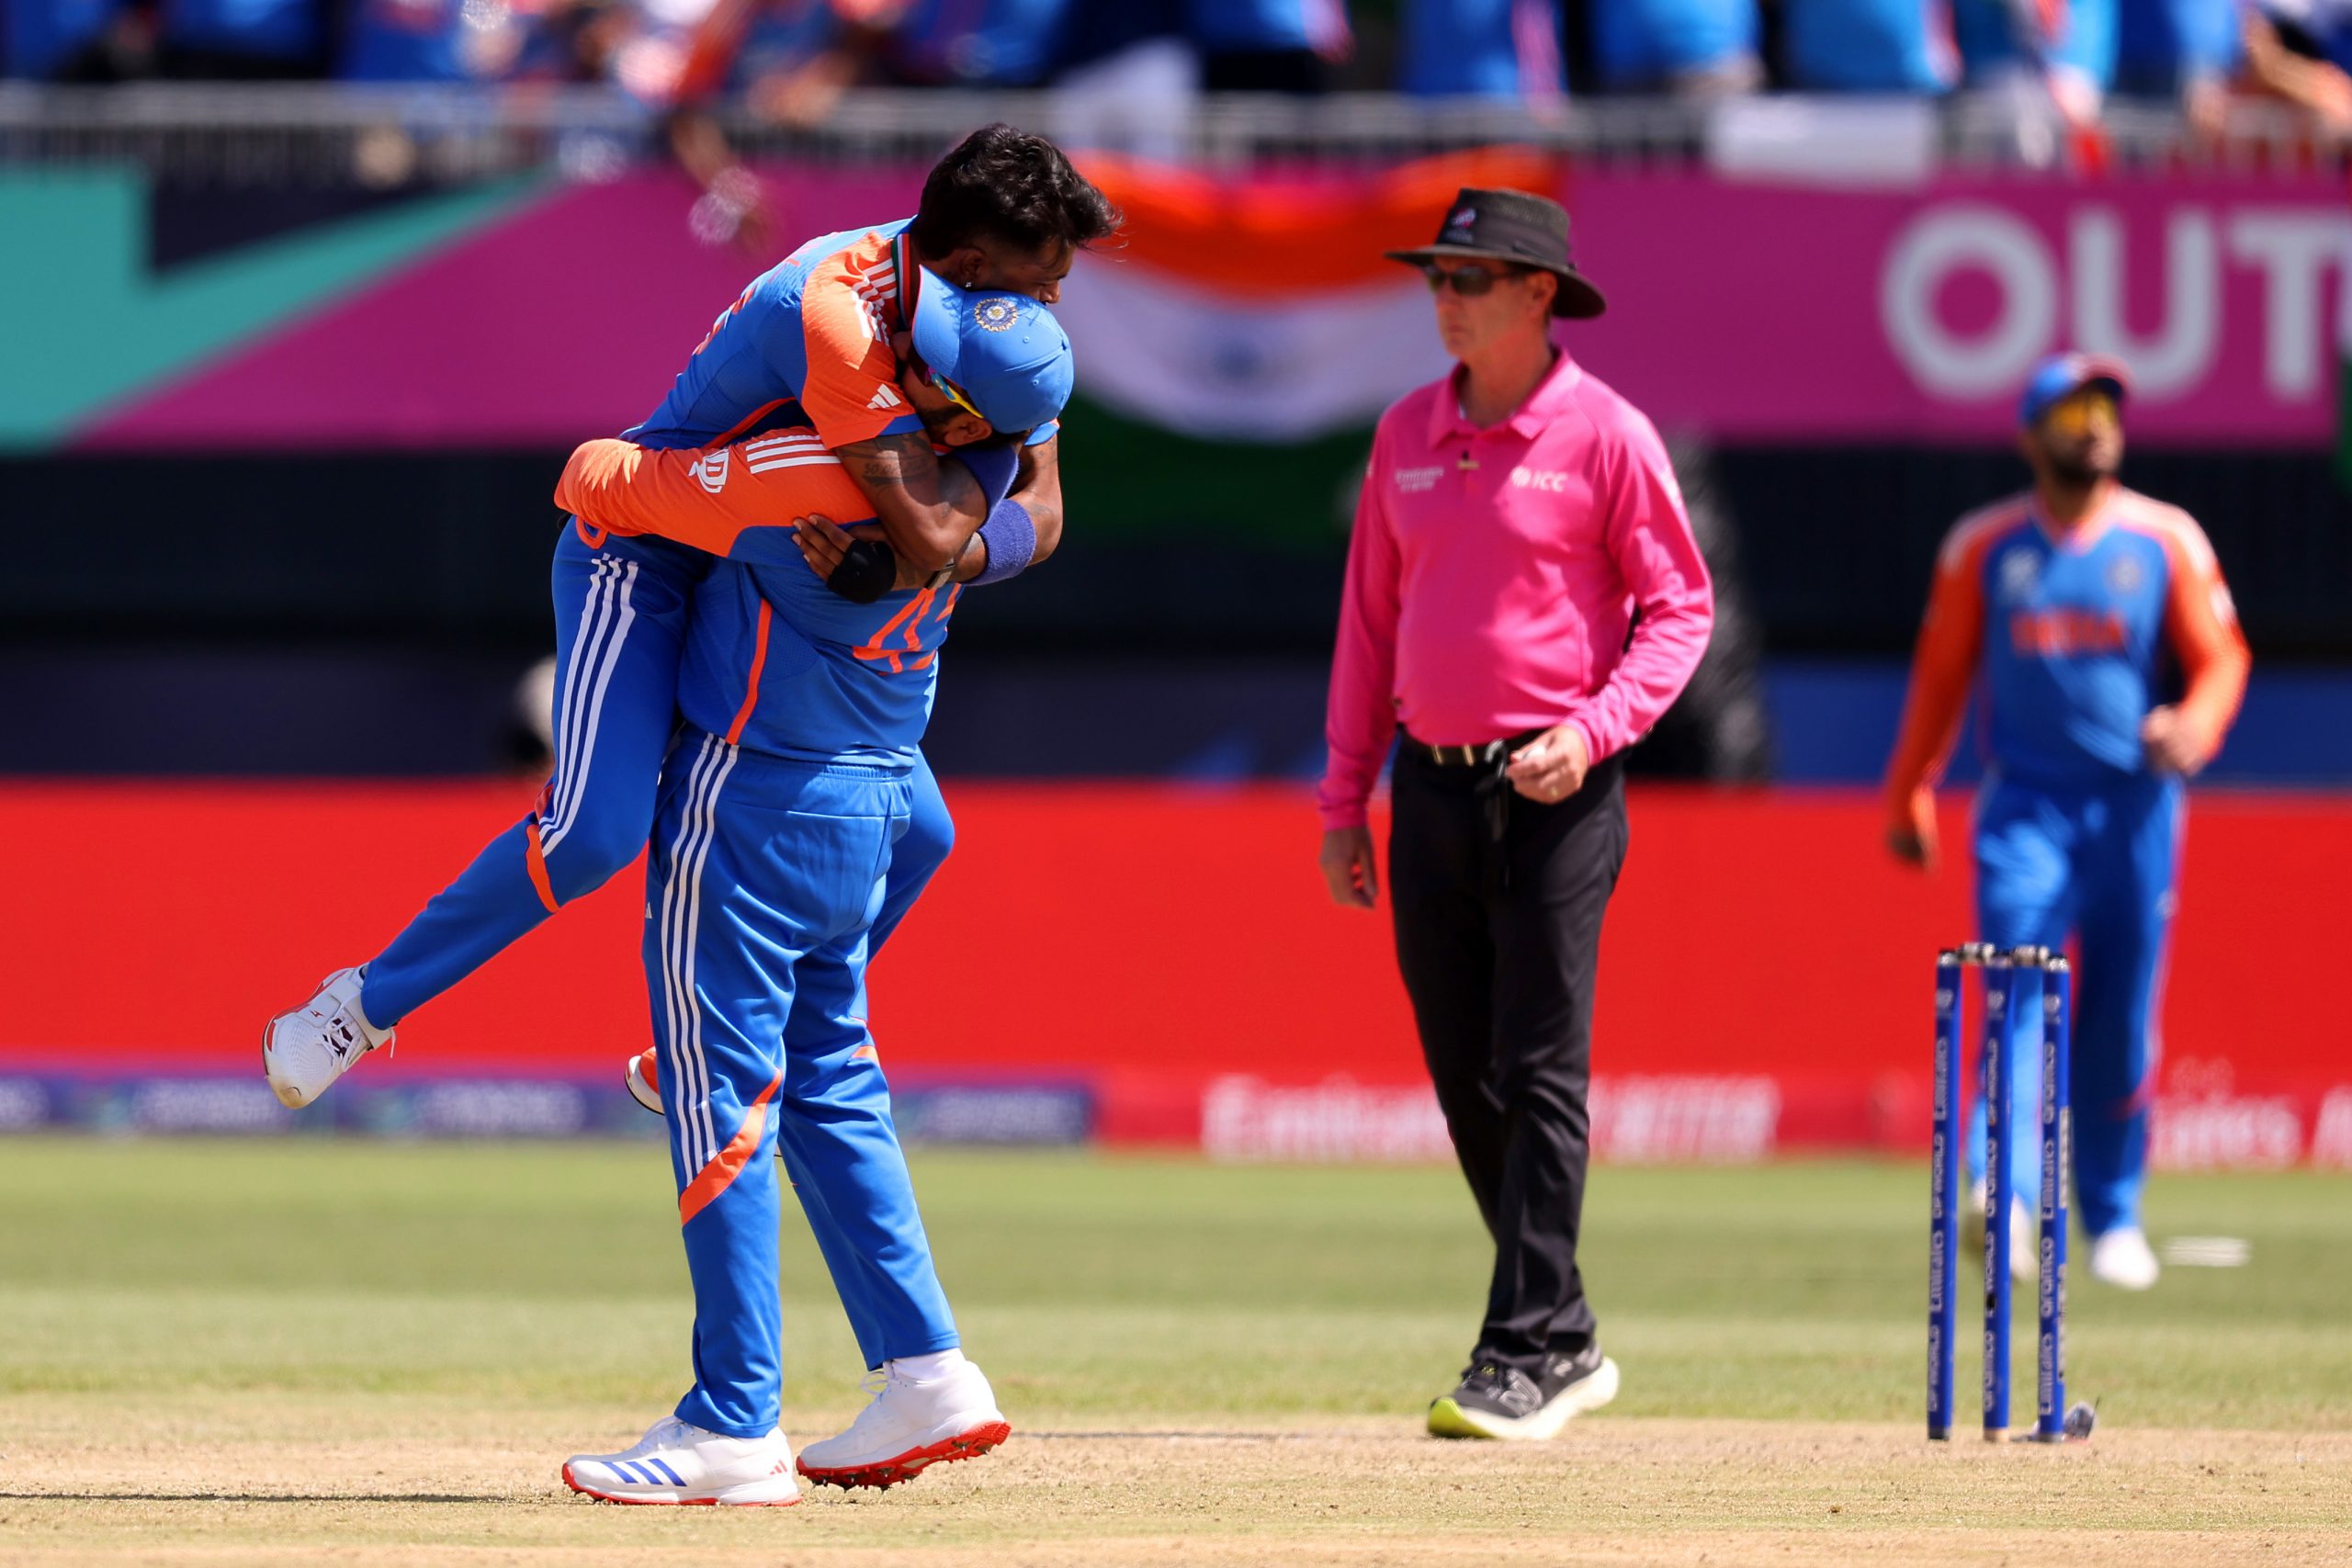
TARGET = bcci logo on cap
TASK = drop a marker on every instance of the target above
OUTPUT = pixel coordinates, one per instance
(998, 314)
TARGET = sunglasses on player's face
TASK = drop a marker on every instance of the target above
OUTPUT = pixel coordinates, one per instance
(954, 394)
(2078, 414)
(1469, 282)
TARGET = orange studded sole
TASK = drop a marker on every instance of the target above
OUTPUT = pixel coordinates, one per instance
(908, 1465)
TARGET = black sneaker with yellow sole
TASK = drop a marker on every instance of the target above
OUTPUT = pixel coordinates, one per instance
(1502, 1402)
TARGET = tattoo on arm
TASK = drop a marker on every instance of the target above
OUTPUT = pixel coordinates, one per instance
(889, 462)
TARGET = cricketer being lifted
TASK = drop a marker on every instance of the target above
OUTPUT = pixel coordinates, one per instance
(2059, 607)
(806, 345)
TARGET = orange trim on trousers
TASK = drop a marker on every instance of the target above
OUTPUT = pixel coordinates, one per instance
(720, 1173)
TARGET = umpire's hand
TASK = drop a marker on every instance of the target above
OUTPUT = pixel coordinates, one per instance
(1551, 767)
(1348, 870)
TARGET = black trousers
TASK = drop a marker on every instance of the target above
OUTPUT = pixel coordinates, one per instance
(1499, 902)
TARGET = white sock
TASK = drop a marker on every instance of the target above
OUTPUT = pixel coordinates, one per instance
(924, 1369)
(359, 1012)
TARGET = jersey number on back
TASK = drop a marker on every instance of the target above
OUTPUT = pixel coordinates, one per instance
(899, 644)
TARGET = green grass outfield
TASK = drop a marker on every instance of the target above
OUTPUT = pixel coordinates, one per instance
(196, 1330)
(1092, 1285)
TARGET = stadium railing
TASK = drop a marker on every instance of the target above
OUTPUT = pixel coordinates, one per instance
(332, 134)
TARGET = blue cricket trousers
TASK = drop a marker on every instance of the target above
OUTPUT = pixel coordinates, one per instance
(764, 880)
(2097, 863)
(620, 616)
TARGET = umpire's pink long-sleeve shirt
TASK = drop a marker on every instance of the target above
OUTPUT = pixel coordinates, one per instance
(1494, 573)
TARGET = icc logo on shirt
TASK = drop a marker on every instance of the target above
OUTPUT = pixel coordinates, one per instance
(1535, 478)
(2020, 571)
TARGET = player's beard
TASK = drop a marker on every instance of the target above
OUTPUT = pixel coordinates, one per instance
(2082, 466)
(2075, 472)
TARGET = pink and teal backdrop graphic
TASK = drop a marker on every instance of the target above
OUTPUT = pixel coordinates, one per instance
(537, 312)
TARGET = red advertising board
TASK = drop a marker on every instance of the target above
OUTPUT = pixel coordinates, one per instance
(1765, 978)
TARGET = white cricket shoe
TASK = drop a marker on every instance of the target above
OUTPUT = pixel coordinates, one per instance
(678, 1464)
(912, 1423)
(2025, 1236)
(303, 1052)
(2123, 1259)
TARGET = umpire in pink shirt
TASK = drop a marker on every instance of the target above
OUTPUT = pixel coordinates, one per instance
(1523, 600)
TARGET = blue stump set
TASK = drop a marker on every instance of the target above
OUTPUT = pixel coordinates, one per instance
(2001, 971)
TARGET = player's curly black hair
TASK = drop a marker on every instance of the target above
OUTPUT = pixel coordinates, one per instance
(1008, 185)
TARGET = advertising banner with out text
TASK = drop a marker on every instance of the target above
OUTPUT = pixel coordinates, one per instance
(1250, 312)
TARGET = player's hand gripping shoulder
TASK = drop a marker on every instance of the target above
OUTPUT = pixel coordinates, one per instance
(928, 510)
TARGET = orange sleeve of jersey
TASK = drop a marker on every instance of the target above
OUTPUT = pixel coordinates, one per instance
(707, 498)
(2202, 625)
(851, 390)
(1942, 667)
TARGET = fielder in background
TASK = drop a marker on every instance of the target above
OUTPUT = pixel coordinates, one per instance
(2059, 607)
(1524, 598)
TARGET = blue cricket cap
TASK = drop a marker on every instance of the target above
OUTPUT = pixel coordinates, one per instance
(1004, 350)
(2061, 376)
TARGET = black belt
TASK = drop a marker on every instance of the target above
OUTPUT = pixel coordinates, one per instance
(1484, 755)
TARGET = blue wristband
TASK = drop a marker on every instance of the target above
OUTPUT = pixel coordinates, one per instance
(992, 467)
(1010, 535)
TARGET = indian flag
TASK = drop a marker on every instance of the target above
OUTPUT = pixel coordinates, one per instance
(1235, 352)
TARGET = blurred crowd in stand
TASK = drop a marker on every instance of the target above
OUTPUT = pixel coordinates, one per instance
(787, 59)
(2050, 66)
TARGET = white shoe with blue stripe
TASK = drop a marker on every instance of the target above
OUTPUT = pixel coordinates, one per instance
(679, 1463)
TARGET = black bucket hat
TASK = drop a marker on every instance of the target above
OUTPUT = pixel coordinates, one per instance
(1513, 226)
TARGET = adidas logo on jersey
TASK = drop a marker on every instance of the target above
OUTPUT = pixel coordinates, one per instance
(712, 471)
(886, 397)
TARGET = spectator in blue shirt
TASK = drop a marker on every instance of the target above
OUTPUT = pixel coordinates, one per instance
(244, 40)
(425, 41)
(2182, 49)
(1867, 46)
(1683, 46)
(1270, 46)
(1481, 49)
(998, 43)
(2072, 41)
(39, 39)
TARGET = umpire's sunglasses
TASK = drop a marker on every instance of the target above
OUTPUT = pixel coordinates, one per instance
(1470, 282)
